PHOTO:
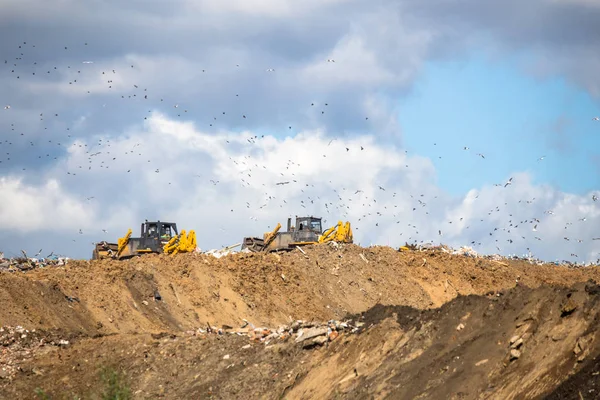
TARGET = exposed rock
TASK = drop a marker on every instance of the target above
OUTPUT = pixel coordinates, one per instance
(582, 347)
(568, 307)
(518, 343)
(514, 354)
(310, 333)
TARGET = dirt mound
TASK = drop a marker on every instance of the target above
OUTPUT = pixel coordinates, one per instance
(157, 292)
(521, 344)
(433, 325)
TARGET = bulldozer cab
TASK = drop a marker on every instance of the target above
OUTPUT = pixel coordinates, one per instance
(310, 224)
(307, 229)
(163, 231)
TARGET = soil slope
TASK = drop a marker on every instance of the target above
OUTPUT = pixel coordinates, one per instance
(435, 326)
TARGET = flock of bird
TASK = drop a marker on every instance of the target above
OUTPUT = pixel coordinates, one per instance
(514, 231)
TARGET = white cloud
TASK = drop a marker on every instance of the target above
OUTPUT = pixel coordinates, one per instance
(327, 180)
(27, 208)
(378, 48)
(353, 64)
(266, 8)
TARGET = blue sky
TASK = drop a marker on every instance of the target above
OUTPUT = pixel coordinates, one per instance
(510, 117)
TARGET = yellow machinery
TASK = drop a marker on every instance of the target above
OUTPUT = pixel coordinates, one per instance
(342, 232)
(307, 231)
(156, 237)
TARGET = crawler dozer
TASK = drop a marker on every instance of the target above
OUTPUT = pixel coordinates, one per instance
(155, 237)
(307, 231)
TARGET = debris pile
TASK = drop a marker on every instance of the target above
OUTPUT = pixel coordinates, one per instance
(19, 344)
(467, 251)
(26, 263)
(225, 251)
(310, 334)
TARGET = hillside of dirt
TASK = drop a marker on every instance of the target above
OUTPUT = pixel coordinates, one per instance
(332, 322)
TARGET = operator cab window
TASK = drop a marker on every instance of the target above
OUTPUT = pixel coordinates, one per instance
(303, 224)
(315, 226)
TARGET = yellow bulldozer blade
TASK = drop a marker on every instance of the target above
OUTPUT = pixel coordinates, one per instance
(182, 243)
(269, 237)
(122, 242)
(341, 233)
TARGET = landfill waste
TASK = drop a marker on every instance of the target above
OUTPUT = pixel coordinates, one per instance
(26, 263)
(225, 251)
(310, 334)
(219, 253)
(19, 344)
(468, 251)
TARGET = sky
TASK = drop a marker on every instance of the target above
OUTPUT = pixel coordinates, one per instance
(464, 123)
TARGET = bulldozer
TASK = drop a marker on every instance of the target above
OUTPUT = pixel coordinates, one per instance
(155, 237)
(307, 231)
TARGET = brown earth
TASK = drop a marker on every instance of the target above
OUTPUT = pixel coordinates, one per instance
(436, 326)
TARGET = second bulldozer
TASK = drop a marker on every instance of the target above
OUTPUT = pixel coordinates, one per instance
(155, 237)
(308, 230)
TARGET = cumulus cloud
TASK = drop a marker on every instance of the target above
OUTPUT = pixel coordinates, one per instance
(28, 208)
(225, 186)
(193, 109)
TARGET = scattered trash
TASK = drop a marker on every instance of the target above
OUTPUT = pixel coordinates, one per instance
(26, 263)
(19, 344)
(308, 334)
(301, 251)
(217, 253)
(225, 251)
(467, 251)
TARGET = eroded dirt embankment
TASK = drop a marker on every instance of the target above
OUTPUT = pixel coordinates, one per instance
(517, 343)
(434, 326)
(157, 293)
